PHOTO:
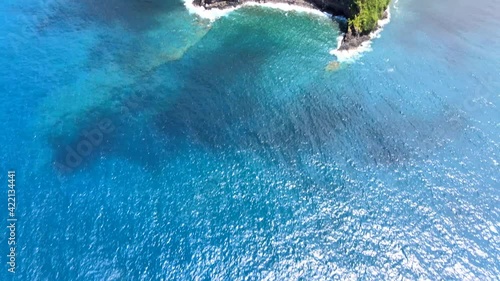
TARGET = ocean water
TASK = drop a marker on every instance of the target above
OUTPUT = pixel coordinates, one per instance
(152, 144)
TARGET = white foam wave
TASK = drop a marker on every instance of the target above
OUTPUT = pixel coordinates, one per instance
(288, 8)
(350, 56)
(211, 14)
(214, 13)
(342, 55)
(396, 5)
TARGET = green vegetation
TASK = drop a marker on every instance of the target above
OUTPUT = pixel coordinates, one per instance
(370, 11)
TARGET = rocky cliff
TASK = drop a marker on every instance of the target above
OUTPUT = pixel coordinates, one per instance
(362, 15)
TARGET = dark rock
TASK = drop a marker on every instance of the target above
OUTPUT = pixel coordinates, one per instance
(352, 40)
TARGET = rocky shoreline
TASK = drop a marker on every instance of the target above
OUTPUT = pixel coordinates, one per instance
(352, 38)
(217, 4)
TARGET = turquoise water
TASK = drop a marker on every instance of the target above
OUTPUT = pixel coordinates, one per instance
(226, 150)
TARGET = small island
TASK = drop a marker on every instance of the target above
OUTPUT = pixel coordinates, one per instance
(362, 15)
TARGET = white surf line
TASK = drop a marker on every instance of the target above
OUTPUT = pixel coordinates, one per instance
(214, 13)
(289, 8)
(211, 14)
(396, 6)
(350, 56)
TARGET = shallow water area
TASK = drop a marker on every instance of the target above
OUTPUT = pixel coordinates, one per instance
(240, 148)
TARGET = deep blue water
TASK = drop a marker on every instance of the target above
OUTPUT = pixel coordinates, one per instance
(226, 151)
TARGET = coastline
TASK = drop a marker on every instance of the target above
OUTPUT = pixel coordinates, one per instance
(214, 12)
(351, 54)
(348, 49)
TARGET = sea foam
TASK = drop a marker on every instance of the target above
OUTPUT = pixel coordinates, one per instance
(214, 13)
(347, 56)
(350, 56)
(211, 14)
